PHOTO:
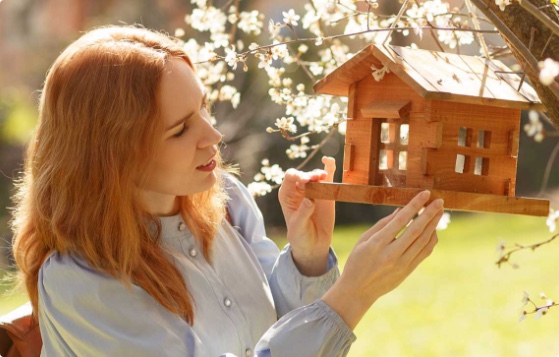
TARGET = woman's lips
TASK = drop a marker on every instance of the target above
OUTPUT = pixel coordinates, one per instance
(210, 166)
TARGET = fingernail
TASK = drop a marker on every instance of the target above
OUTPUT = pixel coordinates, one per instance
(438, 203)
(307, 202)
(425, 194)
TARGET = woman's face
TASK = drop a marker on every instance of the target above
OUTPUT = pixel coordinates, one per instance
(185, 164)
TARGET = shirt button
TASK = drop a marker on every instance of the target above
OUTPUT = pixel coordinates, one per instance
(193, 252)
(182, 226)
(248, 352)
(227, 302)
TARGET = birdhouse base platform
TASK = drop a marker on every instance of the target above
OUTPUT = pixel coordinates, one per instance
(398, 196)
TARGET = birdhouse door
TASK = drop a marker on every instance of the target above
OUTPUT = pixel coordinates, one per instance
(391, 151)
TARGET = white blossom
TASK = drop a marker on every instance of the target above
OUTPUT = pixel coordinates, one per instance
(231, 57)
(273, 173)
(230, 93)
(502, 4)
(378, 73)
(259, 188)
(250, 22)
(551, 220)
(274, 28)
(311, 20)
(284, 123)
(541, 311)
(291, 17)
(525, 298)
(279, 51)
(207, 19)
(179, 32)
(535, 126)
(303, 48)
(549, 69)
(316, 69)
(444, 221)
(220, 39)
(297, 151)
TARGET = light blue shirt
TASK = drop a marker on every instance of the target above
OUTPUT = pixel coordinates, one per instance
(237, 300)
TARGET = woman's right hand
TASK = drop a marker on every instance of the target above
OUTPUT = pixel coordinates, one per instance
(379, 262)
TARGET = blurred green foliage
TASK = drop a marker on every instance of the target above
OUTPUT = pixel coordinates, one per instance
(18, 116)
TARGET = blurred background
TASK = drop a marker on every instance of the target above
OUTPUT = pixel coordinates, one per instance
(34, 32)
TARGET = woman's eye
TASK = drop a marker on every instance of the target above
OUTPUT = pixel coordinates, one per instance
(179, 134)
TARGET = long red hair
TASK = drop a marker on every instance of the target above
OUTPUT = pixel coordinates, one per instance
(99, 129)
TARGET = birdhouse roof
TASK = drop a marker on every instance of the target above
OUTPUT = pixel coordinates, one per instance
(436, 75)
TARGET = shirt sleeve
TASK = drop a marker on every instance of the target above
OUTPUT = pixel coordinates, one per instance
(83, 312)
(290, 288)
(309, 331)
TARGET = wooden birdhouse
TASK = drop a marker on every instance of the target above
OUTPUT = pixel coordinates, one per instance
(430, 120)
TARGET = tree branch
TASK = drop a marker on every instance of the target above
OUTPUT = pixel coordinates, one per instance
(528, 6)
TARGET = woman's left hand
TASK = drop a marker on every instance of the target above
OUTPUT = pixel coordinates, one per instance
(310, 224)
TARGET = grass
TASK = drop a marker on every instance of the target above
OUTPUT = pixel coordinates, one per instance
(458, 303)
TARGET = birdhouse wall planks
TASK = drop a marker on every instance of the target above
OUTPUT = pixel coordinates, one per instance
(430, 120)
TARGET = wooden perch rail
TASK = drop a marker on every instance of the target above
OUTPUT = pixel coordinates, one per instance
(395, 196)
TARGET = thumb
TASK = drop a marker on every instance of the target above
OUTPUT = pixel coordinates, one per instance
(300, 217)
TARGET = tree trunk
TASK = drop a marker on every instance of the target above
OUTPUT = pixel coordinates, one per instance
(521, 24)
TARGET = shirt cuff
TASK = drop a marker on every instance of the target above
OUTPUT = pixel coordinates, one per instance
(332, 265)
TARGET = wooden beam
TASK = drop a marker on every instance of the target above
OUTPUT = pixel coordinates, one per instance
(352, 101)
(348, 157)
(387, 109)
(460, 201)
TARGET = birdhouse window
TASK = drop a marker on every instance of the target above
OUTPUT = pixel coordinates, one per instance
(462, 164)
(483, 139)
(404, 134)
(465, 137)
(481, 166)
(393, 148)
(385, 133)
(402, 160)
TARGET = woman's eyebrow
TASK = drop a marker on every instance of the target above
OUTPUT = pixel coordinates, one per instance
(183, 119)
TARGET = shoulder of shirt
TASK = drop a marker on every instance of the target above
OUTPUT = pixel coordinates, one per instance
(235, 188)
(68, 271)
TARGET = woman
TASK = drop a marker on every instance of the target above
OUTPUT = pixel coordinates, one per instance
(120, 229)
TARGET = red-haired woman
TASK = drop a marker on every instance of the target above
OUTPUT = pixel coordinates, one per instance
(120, 229)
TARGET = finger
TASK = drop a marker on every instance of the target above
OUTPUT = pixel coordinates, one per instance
(377, 226)
(420, 225)
(404, 216)
(425, 252)
(301, 216)
(293, 182)
(329, 167)
(419, 244)
(293, 176)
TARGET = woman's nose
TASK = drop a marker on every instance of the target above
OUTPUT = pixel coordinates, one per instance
(212, 137)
